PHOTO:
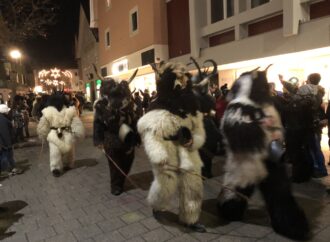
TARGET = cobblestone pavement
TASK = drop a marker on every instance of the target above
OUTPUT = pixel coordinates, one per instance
(78, 206)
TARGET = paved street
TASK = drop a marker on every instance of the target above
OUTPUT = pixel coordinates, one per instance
(78, 206)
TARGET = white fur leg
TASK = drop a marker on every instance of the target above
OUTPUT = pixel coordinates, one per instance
(123, 131)
(191, 196)
(55, 157)
(162, 189)
(242, 170)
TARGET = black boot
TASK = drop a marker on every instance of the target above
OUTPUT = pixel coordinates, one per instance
(56, 172)
(116, 191)
(157, 214)
(197, 227)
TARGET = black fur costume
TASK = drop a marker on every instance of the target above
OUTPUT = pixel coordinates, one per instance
(251, 163)
(115, 129)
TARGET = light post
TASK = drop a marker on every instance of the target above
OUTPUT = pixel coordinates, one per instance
(16, 55)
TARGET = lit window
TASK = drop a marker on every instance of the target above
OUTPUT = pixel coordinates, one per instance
(107, 4)
(107, 39)
(134, 25)
(256, 3)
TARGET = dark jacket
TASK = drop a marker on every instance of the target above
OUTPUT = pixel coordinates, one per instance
(6, 132)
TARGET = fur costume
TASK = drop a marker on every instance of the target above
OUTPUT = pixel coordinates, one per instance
(250, 125)
(173, 121)
(60, 125)
(115, 129)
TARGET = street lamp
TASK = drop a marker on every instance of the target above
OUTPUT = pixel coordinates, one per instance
(16, 55)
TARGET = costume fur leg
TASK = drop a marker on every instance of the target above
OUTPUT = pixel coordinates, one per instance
(287, 217)
(162, 188)
(243, 171)
(55, 157)
(124, 162)
(191, 196)
(232, 206)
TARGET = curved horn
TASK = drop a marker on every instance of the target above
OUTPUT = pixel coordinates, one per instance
(215, 66)
(267, 67)
(96, 72)
(198, 68)
(133, 76)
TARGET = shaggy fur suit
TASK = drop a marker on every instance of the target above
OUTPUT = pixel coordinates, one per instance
(250, 126)
(155, 127)
(61, 147)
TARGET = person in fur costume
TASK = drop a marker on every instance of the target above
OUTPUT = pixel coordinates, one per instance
(172, 132)
(115, 129)
(253, 134)
(60, 126)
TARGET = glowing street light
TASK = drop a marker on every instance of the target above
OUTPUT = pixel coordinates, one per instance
(15, 54)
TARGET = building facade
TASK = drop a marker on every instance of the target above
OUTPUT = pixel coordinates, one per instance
(87, 55)
(293, 35)
(132, 34)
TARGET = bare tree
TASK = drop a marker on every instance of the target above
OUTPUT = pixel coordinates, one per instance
(23, 19)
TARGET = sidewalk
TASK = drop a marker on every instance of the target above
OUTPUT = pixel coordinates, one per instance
(78, 206)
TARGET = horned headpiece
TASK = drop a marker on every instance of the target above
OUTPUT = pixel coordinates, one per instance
(252, 85)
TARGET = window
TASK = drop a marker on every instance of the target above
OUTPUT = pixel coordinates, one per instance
(221, 9)
(256, 3)
(107, 39)
(104, 71)
(108, 4)
(134, 25)
(148, 57)
(134, 21)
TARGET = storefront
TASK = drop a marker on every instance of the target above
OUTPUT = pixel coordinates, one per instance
(298, 64)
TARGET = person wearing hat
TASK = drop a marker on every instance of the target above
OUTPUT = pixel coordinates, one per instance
(7, 162)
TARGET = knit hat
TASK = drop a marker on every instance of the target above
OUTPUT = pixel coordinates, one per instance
(4, 108)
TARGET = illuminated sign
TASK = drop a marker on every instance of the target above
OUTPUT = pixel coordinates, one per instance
(55, 77)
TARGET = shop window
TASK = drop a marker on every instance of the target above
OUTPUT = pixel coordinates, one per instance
(134, 25)
(221, 9)
(107, 39)
(256, 3)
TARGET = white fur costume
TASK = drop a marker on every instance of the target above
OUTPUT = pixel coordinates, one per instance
(155, 127)
(61, 149)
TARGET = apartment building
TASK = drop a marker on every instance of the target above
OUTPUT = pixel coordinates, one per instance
(132, 34)
(293, 35)
(87, 50)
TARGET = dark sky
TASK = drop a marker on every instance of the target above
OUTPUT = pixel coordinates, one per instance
(58, 48)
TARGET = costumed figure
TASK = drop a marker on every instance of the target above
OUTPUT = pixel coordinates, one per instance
(207, 107)
(61, 126)
(115, 129)
(253, 134)
(172, 132)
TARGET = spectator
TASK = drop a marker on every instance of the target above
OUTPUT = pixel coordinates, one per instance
(26, 116)
(153, 96)
(1, 99)
(7, 162)
(138, 104)
(17, 118)
(146, 99)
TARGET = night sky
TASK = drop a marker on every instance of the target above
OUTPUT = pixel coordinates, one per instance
(58, 47)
